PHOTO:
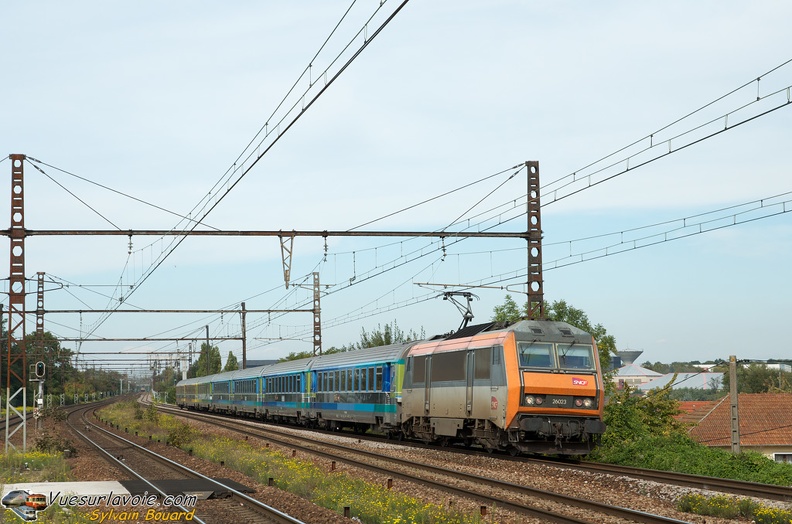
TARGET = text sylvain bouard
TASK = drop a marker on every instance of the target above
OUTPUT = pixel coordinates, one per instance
(151, 514)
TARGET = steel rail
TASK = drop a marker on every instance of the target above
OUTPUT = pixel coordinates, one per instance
(626, 513)
(272, 513)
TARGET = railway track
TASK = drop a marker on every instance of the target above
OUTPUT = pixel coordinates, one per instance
(523, 500)
(734, 487)
(155, 470)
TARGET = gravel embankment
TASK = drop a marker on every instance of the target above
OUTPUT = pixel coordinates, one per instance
(622, 491)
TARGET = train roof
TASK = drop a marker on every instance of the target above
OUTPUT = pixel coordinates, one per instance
(190, 381)
(361, 357)
(290, 366)
(531, 327)
(547, 328)
(218, 377)
(253, 372)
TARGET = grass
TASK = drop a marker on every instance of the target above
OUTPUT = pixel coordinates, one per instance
(727, 507)
(38, 466)
(369, 503)
(642, 432)
(678, 452)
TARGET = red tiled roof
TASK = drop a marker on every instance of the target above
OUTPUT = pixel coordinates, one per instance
(692, 411)
(765, 420)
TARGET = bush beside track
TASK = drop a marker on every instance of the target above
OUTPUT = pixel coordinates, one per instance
(642, 432)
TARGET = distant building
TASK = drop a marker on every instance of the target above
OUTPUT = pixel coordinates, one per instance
(713, 381)
(633, 375)
(707, 366)
(629, 356)
(765, 425)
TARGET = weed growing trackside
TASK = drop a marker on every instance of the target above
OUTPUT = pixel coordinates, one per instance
(370, 503)
(38, 466)
(642, 432)
(732, 507)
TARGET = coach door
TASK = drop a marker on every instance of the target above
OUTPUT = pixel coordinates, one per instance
(469, 383)
(427, 383)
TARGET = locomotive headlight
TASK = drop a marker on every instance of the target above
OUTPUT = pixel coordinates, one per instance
(588, 403)
(529, 400)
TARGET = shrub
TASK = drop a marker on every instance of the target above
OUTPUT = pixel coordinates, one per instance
(46, 442)
(180, 435)
(151, 414)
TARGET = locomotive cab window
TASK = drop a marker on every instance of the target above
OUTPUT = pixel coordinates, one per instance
(576, 356)
(536, 355)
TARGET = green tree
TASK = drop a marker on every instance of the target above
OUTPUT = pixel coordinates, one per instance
(165, 382)
(209, 362)
(758, 378)
(630, 416)
(687, 394)
(560, 311)
(231, 362)
(306, 354)
(674, 367)
(57, 360)
(391, 334)
(509, 311)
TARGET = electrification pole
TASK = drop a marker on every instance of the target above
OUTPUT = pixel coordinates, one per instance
(534, 238)
(16, 370)
(735, 408)
(244, 339)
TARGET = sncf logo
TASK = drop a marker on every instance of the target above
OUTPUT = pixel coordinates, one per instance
(579, 381)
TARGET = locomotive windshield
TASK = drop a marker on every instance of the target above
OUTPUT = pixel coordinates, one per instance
(576, 356)
(536, 355)
(563, 356)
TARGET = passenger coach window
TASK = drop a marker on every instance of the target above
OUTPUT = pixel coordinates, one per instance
(535, 355)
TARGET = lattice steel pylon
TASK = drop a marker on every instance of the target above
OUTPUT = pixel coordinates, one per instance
(317, 316)
(16, 364)
(39, 354)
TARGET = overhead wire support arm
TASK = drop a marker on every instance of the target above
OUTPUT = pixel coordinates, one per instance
(82, 311)
(267, 233)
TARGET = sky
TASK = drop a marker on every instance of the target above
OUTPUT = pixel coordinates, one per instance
(138, 115)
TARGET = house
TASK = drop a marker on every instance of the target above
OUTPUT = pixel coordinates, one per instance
(699, 380)
(633, 375)
(765, 425)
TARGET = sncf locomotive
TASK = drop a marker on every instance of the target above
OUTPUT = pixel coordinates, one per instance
(530, 387)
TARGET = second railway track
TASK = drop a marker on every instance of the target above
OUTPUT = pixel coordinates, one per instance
(154, 470)
(516, 498)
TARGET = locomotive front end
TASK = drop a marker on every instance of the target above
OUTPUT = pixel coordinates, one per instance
(558, 409)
